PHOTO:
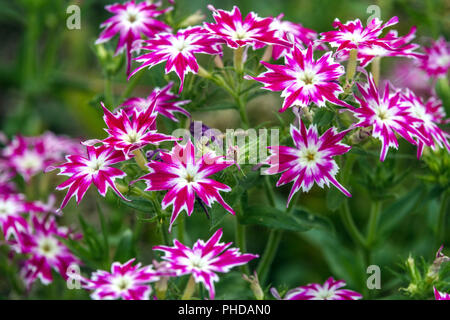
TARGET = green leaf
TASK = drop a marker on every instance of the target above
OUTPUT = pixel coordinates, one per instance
(139, 204)
(126, 248)
(396, 212)
(335, 198)
(323, 117)
(273, 218)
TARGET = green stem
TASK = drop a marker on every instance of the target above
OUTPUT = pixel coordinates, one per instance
(140, 160)
(189, 290)
(350, 225)
(373, 222)
(269, 254)
(240, 235)
(376, 70)
(442, 216)
(238, 60)
(351, 65)
(131, 85)
(180, 229)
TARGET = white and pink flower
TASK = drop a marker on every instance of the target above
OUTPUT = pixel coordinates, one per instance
(129, 131)
(94, 168)
(131, 20)
(303, 80)
(310, 161)
(431, 113)
(167, 103)
(330, 290)
(387, 113)
(45, 250)
(125, 281)
(204, 260)
(237, 32)
(186, 177)
(441, 295)
(352, 35)
(292, 32)
(436, 61)
(178, 50)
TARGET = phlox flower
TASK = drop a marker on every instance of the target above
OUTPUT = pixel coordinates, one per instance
(303, 80)
(291, 31)
(186, 177)
(178, 50)
(12, 209)
(311, 160)
(388, 114)
(125, 281)
(293, 294)
(29, 156)
(129, 131)
(440, 295)
(204, 259)
(398, 47)
(330, 290)
(131, 20)
(352, 34)
(436, 61)
(94, 168)
(431, 113)
(44, 249)
(237, 32)
(166, 103)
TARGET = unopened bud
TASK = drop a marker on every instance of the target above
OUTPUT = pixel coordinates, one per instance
(254, 285)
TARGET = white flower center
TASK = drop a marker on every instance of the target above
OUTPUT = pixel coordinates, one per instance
(30, 160)
(8, 207)
(189, 175)
(132, 137)
(95, 165)
(355, 37)
(240, 33)
(324, 294)
(307, 77)
(196, 261)
(443, 60)
(122, 283)
(309, 157)
(180, 45)
(48, 247)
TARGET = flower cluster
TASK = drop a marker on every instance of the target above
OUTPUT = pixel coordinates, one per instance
(202, 261)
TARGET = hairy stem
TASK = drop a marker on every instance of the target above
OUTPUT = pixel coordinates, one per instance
(189, 290)
(140, 159)
(373, 222)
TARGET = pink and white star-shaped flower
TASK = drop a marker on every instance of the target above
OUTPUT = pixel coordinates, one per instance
(129, 131)
(441, 295)
(204, 259)
(166, 103)
(12, 209)
(352, 34)
(125, 281)
(186, 177)
(431, 113)
(291, 31)
(303, 79)
(237, 32)
(388, 114)
(311, 160)
(45, 250)
(330, 290)
(94, 168)
(131, 20)
(178, 50)
(436, 61)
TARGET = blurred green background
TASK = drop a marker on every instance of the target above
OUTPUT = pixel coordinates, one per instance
(50, 79)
